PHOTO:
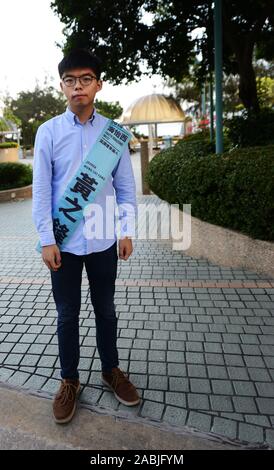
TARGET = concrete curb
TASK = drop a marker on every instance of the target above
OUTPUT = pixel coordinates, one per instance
(26, 423)
(226, 247)
(16, 193)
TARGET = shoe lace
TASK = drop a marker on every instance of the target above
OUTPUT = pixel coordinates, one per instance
(67, 393)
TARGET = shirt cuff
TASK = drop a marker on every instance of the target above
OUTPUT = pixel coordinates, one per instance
(47, 238)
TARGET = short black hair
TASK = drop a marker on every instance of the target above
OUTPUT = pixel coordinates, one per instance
(80, 58)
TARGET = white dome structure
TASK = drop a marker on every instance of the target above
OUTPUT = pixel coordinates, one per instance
(153, 109)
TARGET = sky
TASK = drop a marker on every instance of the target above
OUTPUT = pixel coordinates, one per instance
(29, 53)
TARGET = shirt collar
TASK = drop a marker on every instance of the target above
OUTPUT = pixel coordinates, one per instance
(73, 119)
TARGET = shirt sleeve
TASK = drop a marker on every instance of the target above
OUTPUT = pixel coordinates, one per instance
(42, 188)
(125, 189)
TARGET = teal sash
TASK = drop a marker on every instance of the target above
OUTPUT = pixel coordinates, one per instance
(88, 181)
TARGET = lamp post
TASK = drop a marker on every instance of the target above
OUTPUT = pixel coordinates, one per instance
(218, 44)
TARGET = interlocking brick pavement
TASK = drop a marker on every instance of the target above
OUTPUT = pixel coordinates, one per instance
(197, 339)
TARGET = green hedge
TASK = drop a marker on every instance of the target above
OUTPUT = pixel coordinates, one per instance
(233, 190)
(14, 175)
(252, 129)
(8, 145)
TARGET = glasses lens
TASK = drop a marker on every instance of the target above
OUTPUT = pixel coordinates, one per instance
(86, 80)
(69, 81)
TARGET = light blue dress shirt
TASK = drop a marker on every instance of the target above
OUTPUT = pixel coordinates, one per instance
(61, 144)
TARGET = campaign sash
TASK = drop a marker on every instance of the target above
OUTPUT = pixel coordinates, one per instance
(88, 181)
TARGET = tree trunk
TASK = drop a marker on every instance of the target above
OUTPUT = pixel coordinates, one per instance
(247, 87)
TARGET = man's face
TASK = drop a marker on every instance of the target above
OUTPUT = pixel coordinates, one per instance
(81, 93)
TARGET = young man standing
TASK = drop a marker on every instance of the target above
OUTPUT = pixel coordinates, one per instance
(60, 147)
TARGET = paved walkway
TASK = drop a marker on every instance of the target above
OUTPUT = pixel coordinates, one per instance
(196, 338)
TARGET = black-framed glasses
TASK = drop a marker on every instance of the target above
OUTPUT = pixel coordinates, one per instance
(85, 80)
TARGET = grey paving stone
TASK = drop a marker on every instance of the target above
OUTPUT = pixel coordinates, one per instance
(176, 345)
(6, 347)
(152, 410)
(195, 337)
(30, 360)
(91, 395)
(196, 370)
(178, 384)
(158, 344)
(244, 388)
(200, 386)
(35, 382)
(138, 354)
(194, 358)
(269, 362)
(154, 395)
(231, 348)
(214, 359)
(165, 335)
(194, 346)
(175, 356)
(212, 347)
(5, 373)
(244, 405)
(156, 368)
(250, 433)
(138, 367)
(258, 420)
(158, 382)
(225, 427)
(254, 361)
(157, 355)
(197, 401)
(238, 373)
(221, 403)
(265, 389)
(140, 381)
(177, 370)
(259, 375)
(174, 416)
(18, 378)
(265, 405)
(108, 400)
(199, 421)
(270, 437)
(222, 387)
(137, 343)
(234, 360)
(47, 361)
(175, 398)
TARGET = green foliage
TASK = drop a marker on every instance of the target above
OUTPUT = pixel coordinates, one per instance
(233, 190)
(35, 107)
(201, 144)
(9, 116)
(14, 175)
(3, 125)
(127, 34)
(8, 145)
(252, 129)
(109, 110)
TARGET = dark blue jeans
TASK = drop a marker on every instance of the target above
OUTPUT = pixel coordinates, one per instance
(101, 268)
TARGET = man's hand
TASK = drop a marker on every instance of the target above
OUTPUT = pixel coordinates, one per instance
(51, 257)
(125, 248)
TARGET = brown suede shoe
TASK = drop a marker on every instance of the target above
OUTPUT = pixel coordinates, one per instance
(124, 391)
(64, 404)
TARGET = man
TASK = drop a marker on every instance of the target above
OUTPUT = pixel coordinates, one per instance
(60, 147)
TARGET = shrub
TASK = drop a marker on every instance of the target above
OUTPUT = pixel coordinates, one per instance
(233, 190)
(252, 129)
(14, 175)
(8, 145)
